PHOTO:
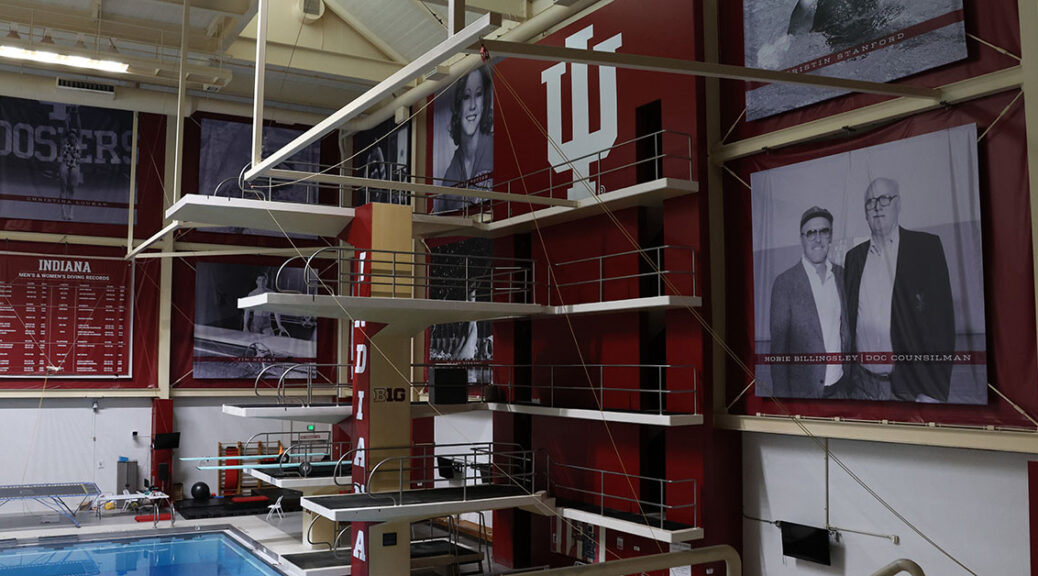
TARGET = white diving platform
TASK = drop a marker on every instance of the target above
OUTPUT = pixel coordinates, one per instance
(419, 504)
(329, 221)
(297, 483)
(293, 217)
(411, 315)
(671, 533)
(629, 417)
(403, 315)
(315, 413)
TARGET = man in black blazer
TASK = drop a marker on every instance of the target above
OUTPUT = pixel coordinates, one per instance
(808, 315)
(900, 302)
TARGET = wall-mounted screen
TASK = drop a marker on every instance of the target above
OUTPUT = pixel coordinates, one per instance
(869, 275)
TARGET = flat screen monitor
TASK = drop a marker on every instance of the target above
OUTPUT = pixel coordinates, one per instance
(805, 543)
(166, 441)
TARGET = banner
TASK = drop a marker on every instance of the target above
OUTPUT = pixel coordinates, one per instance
(461, 271)
(232, 343)
(383, 153)
(875, 40)
(868, 274)
(463, 138)
(225, 151)
(65, 316)
(64, 162)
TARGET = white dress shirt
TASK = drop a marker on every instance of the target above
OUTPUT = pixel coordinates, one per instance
(875, 298)
(827, 303)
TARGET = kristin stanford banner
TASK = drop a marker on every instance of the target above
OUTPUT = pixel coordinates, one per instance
(233, 343)
(64, 162)
(869, 276)
(877, 40)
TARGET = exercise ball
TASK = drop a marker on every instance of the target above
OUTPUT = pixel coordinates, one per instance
(200, 491)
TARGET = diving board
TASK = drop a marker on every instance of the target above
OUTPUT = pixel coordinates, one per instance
(252, 457)
(291, 217)
(52, 496)
(418, 504)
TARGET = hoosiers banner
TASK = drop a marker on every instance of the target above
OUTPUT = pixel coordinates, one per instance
(64, 162)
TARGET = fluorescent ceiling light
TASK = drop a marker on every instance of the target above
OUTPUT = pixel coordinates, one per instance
(47, 57)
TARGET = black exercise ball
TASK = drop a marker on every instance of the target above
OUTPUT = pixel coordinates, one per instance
(200, 491)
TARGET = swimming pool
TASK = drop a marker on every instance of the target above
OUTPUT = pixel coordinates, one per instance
(196, 554)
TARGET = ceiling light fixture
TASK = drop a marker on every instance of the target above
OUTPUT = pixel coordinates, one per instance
(46, 37)
(47, 57)
(12, 33)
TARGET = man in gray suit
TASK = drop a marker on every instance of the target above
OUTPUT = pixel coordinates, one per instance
(808, 316)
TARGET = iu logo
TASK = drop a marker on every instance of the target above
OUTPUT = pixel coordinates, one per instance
(583, 142)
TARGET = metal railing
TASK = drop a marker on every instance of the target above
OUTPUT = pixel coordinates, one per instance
(510, 467)
(671, 157)
(544, 377)
(654, 513)
(676, 264)
(417, 274)
(311, 379)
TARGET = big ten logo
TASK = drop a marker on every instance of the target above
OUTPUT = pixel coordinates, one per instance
(578, 152)
(390, 395)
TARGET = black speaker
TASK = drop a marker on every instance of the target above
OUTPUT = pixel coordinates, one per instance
(448, 385)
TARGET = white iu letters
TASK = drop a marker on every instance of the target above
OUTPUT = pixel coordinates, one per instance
(358, 456)
(360, 404)
(583, 142)
(359, 549)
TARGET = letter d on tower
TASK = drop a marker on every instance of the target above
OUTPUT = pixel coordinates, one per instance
(574, 153)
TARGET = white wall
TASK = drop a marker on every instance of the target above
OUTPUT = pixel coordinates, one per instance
(465, 427)
(202, 424)
(972, 503)
(65, 440)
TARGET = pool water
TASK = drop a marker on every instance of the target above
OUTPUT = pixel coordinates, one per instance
(210, 554)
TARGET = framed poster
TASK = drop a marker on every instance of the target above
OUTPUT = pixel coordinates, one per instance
(876, 40)
(868, 274)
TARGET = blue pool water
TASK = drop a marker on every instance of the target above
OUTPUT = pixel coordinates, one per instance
(212, 554)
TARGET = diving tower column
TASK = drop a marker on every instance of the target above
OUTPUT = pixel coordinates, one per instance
(381, 385)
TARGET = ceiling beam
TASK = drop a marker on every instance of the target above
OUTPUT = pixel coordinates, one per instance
(498, 48)
(375, 40)
(236, 7)
(297, 58)
(514, 9)
(26, 13)
(402, 77)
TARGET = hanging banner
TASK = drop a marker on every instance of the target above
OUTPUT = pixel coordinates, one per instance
(383, 153)
(463, 138)
(64, 162)
(232, 343)
(875, 40)
(225, 151)
(868, 274)
(65, 316)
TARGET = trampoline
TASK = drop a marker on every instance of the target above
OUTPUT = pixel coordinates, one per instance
(52, 496)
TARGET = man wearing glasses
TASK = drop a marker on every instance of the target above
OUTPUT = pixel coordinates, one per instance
(808, 316)
(900, 305)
